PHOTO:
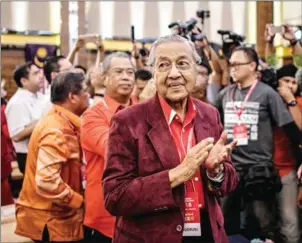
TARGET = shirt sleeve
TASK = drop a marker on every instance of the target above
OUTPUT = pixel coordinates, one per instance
(17, 116)
(53, 154)
(94, 132)
(278, 110)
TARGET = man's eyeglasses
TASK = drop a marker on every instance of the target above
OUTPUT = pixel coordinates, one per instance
(236, 65)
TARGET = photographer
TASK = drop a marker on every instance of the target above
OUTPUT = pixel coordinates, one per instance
(249, 109)
(220, 74)
(140, 56)
(287, 34)
(285, 159)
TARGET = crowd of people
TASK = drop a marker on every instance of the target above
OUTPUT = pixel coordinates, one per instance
(175, 144)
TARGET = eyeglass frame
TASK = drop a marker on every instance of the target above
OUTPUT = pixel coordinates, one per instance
(238, 65)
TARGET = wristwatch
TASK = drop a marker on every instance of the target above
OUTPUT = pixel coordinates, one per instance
(292, 103)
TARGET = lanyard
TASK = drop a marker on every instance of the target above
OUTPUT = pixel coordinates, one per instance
(240, 111)
(189, 145)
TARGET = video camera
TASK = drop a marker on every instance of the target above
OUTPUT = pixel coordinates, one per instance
(230, 41)
(203, 14)
(183, 28)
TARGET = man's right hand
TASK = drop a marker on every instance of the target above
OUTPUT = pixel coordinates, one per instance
(192, 162)
(269, 35)
(79, 44)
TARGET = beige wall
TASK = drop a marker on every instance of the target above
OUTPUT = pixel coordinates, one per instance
(26, 15)
(151, 18)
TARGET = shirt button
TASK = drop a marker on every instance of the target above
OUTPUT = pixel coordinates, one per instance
(200, 205)
(176, 117)
(196, 178)
(179, 228)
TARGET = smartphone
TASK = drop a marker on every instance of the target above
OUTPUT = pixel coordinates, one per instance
(298, 35)
(132, 34)
(276, 29)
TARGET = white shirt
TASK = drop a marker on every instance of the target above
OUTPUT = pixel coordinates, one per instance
(46, 103)
(23, 108)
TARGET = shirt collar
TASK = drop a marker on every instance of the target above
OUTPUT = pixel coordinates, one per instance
(73, 118)
(170, 113)
(114, 105)
(28, 93)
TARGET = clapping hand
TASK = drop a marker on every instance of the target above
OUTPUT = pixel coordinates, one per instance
(218, 154)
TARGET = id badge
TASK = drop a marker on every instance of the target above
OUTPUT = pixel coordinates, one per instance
(240, 134)
(192, 225)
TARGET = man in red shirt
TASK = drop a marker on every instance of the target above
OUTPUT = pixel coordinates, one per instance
(118, 73)
(167, 160)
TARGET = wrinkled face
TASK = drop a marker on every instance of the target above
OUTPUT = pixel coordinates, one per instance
(290, 83)
(174, 71)
(199, 90)
(33, 82)
(119, 80)
(240, 66)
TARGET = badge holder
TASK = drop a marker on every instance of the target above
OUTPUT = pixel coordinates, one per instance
(240, 134)
(192, 225)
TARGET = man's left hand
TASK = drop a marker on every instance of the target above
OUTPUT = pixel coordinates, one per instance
(219, 153)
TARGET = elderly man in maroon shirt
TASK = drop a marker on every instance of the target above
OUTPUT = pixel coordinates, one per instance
(167, 160)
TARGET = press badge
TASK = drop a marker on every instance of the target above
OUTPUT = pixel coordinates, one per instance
(192, 225)
(240, 134)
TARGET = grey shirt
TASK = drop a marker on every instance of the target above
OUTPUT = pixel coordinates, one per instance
(263, 110)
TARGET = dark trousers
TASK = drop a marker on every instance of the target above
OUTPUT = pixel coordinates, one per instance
(21, 159)
(94, 236)
(252, 219)
(45, 238)
(206, 231)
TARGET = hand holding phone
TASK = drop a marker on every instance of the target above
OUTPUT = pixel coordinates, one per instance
(132, 34)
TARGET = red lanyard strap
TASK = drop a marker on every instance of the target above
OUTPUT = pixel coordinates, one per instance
(240, 111)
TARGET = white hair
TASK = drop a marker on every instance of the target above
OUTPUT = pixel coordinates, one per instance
(169, 39)
(107, 60)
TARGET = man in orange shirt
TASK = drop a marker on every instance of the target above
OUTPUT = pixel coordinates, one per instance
(118, 73)
(50, 205)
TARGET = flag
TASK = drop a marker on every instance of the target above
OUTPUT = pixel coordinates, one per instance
(37, 53)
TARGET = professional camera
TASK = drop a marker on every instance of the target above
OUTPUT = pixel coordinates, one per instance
(230, 41)
(183, 28)
(269, 77)
(203, 14)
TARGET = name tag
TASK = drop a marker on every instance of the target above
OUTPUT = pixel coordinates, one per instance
(240, 134)
(192, 225)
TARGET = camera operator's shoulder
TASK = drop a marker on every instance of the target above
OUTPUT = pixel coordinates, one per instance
(267, 89)
(226, 90)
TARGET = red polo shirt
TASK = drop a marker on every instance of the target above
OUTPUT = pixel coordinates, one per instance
(184, 138)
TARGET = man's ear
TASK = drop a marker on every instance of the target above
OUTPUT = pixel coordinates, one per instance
(72, 98)
(23, 81)
(53, 75)
(106, 80)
